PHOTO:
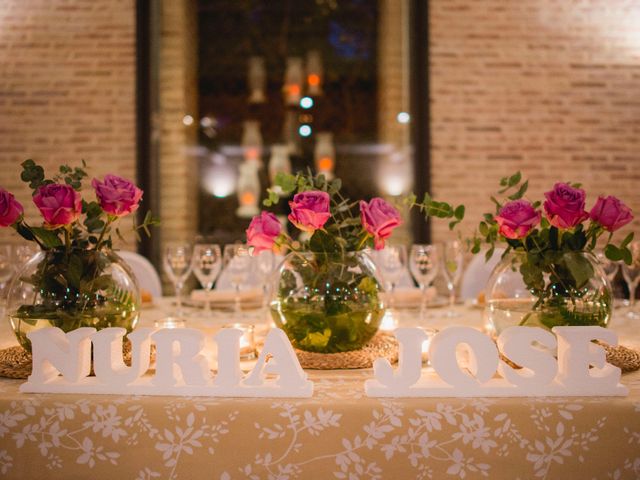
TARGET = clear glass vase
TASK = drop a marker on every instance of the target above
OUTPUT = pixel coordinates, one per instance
(328, 303)
(72, 289)
(564, 300)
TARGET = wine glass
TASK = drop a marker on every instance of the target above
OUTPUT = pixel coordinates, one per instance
(609, 266)
(392, 260)
(237, 262)
(424, 262)
(266, 262)
(6, 267)
(631, 274)
(206, 264)
(452, 261)
(177, 266)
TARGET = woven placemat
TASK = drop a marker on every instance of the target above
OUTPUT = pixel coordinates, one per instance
(15, 362)
(382, 345)
(625, 358)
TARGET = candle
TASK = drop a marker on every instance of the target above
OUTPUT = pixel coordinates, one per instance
(247, 341)
(388, 323)
(431, 332)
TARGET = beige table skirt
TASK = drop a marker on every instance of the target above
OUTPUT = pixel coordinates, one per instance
(338, 433)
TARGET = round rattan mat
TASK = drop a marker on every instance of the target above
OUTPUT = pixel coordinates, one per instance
(15, 362)
(626, 359)
(382, 345)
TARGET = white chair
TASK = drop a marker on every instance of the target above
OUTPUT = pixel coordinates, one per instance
(477, 274)
(148, 278)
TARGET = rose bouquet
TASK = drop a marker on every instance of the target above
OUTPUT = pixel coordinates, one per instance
(76, 280)
(327, 297)
(551, 249)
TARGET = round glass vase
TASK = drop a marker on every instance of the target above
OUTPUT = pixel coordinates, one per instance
(328, 302)
(564, 300)
(72, 289)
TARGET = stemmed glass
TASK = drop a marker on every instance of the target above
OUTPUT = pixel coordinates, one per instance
(237, 262)
(266, 262)
(452, 260)
(177, 266)
(206, 264)
(6, 267)
(424, 261)
(392, 260)
(631, 274)
(609, 266)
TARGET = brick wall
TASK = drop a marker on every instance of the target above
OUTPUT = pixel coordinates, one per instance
(547, 87)
(178, 97)
(67, 88)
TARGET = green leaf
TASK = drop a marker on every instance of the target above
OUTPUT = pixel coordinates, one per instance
(613, 253)
(627, 240)
(49, 238)
(489, 254)
(580, 268)
(74, 271)
(483, 228)
(521, 191)
(24, 232)
(286, 182)
(321, 241)
(459, 212)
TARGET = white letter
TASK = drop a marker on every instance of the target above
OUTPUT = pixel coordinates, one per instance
(576, 352)
(539, 367)
(282, 362)
(55, 352)
(108, 365)
(194, 367)
(483, 357)
(409, 360)
(229, 373)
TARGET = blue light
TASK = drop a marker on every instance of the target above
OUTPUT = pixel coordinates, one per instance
(306, 102)
(304, 130)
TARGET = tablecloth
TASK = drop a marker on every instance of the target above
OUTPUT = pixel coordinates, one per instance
(338, 433)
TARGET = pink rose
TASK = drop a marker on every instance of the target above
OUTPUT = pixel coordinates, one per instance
(611, 213)
(310, 210)
(565, 206)
(59, 204)
(516, 219)
(117, 196)
(379, 219)
(263, 231)
(10, 209)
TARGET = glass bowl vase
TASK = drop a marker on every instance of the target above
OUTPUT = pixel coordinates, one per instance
(328, 302)
(576, 293)
(70, 289)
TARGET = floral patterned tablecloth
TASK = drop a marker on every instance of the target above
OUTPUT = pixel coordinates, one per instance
(338, 433)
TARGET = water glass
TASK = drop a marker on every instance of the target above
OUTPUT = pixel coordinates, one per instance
(206, 263)
(177, 266)
(424, 262)
(237, 262)
(631, 274)
(451, 263)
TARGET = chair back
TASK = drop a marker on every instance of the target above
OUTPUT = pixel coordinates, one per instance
(477, 274)
(148, 278)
